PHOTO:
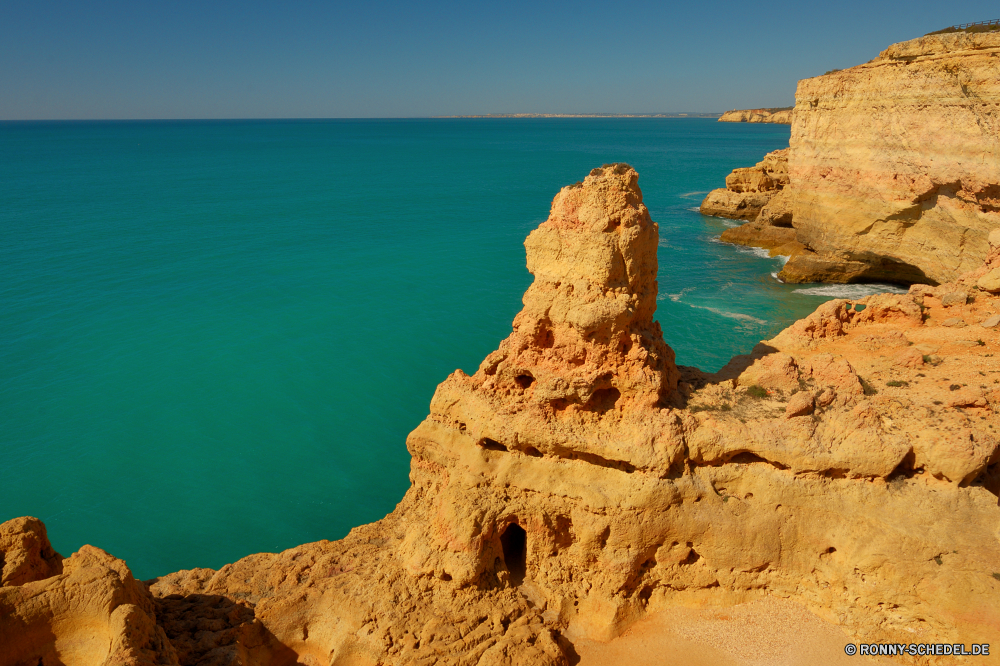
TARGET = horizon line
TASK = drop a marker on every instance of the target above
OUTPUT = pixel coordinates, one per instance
(690, 114)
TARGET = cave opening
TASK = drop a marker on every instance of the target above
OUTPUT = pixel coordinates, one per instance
(514, 541)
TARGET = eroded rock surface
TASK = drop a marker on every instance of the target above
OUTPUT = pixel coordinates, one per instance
(580, 480)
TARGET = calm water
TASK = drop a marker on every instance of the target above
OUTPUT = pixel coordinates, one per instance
(215, 336)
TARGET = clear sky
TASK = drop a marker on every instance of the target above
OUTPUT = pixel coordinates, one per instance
(383, 58)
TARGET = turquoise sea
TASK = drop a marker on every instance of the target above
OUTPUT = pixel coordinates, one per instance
(215, 336)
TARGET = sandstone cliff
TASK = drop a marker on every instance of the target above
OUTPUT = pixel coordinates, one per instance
(895, 164)
(580, 480)
(781, 116)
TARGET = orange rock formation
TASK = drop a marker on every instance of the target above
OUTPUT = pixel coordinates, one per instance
(580, 480)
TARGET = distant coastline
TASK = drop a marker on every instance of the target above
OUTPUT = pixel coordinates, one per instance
(590, 115)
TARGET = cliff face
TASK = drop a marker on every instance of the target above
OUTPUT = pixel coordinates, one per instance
(895, 164)
(580, 480)
(779, 116)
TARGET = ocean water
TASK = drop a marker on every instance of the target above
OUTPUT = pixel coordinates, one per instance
(215, 336)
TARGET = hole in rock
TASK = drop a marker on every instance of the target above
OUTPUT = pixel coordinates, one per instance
(524, 380)
(545, 339)
(533, 452)
(831, 550)
(491, 444)
(603, 400)
(905, 469)
(691, 558)
(646, 593)
(746, 458)
(514, 542)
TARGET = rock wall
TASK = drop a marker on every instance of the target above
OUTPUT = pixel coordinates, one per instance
(781, 116)
(580, 480)
(895, 164)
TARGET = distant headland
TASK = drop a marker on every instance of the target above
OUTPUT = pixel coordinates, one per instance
(590, 115)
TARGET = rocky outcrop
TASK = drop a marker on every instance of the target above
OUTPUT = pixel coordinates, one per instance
(86, 609)
(25, 552)
(781, 116)
(758, 194)
(580, 480)
(895, 164)
(749, 189)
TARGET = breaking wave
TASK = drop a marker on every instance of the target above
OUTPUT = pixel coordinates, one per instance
(852, 291)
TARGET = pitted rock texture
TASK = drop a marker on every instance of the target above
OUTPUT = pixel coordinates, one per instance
(895, 164)
(781, 116)
(580, 480)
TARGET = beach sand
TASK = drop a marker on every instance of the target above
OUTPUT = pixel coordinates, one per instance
(766, 632)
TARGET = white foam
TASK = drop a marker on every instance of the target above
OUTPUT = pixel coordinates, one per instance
(675, 297)
(730, 315)
(783, 258)
(688, 195)
(756, 251)
(851, 291)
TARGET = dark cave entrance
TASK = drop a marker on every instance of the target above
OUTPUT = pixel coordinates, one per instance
(514, 541)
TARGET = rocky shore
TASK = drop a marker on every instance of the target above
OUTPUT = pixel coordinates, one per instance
(893, 166)
(581, 481)
(781, 116)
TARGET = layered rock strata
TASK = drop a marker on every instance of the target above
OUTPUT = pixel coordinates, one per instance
(895, 164)
(781, 116)
(581, 480)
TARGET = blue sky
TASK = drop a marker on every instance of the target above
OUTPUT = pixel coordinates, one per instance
(379, 58)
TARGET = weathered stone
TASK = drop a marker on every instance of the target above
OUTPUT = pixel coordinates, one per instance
(990, 282)
(954, 298)
(25, 552)
(800, 404)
